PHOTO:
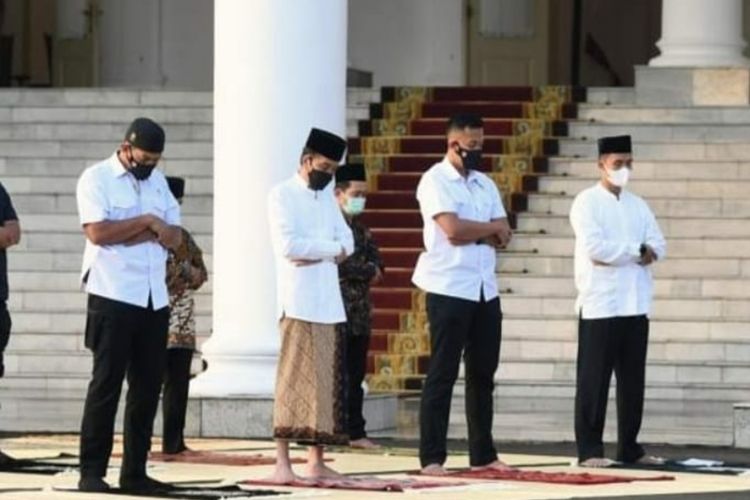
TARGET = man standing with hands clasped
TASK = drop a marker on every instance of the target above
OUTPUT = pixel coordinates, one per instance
(130, 219)
(617, 241)
(310, 239)
(464, 224)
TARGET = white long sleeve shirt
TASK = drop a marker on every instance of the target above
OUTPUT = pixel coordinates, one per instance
(462, 271)
(126, 273)
(308, 225)
(609, 231)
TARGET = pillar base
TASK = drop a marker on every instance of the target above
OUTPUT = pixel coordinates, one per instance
(742, 425)
(656, 86)
(229, 376)
(252, 416)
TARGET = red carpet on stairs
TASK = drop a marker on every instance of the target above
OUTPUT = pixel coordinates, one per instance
(404, 137)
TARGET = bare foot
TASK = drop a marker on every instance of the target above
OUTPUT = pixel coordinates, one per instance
(434, 470)
(321, 470)
(364, 444)
(597, 463)
(282, 475)
(496, 465)
(651, 460)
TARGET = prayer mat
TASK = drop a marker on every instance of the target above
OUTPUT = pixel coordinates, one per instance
(692, 466)
(578, 478)
(383, 450)
(213, 458)
(26, 466)
(362, 483)
(194, 492)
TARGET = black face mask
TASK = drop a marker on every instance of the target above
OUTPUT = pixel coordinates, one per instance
(140, 171)
(471, 158)
(318, 179)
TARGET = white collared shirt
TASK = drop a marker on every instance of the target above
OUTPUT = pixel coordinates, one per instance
(610, 230)
(461, 271)
(308, 225)
(107, 192)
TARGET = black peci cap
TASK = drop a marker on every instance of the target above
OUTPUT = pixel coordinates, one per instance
(146, 134)
(615, 144)
(351, 172)
(327, 144)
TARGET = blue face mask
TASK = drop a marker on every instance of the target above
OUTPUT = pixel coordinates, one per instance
(355, 206)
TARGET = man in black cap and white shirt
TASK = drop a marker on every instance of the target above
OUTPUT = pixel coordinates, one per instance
(617, 241)
(130, 219)
(310, 238)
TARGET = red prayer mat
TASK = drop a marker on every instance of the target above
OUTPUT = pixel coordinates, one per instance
(581, 478)
(362, 483)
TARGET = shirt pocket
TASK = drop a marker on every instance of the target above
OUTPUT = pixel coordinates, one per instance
(154, 203)
(124, 207)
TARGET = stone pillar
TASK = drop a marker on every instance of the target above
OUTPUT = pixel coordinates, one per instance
(279, 69)
(701, 33)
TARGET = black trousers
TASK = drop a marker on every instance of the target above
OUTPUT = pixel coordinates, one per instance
(356, 365)
(473, 328)
(175, 398)
(604, 345)
(124, 339)
(5, 326)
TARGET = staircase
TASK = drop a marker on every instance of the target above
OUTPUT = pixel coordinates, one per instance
(404, 136)
(692, 166)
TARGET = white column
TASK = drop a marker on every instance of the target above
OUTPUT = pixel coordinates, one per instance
(701, 33)
(279, 68)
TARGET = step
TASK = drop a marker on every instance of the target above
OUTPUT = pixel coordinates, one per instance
(28, 260)
(392, 200)
(112, 98)
(640, 132)
(677, 267)
(532, 350)
(634, 114)
(671, 150)
(395, 237)
(40, 166)
(65, 322)
(117, 98)
(610, 96)
(433, 145)
(716, 169)
(67, 241)
(198, 224)
(683, 190)
(563, 286)
(693, 247)
(706, 227)
(198, 204)
(559, 204)
(99, 149)
(672, 371)
(46, 281)
(113, 132)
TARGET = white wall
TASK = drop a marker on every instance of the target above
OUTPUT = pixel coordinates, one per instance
(149, 43)
(408, 42)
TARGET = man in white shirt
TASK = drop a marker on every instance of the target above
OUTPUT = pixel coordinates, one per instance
(464, 225)
(617, 241)
(130, 219)
(310, 238)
